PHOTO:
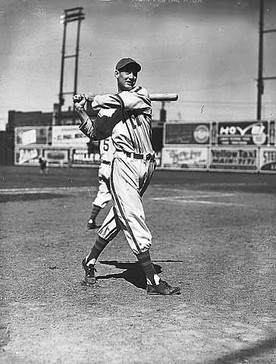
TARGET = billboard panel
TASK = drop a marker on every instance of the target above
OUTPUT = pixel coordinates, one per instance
(69, 136)
(185, 157)
(82, 157)
(56, 156)
(243, 159)
(272, 136)
(28, 135)
(187, 133)
(268, 159)
(27, 156)
(242, 133)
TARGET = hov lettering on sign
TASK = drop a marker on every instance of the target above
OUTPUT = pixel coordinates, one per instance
(256, 129)
(241, 133)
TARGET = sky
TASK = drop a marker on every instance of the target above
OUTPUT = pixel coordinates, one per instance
(204, 50)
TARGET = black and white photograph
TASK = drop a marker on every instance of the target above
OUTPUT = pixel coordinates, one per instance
(138, 182)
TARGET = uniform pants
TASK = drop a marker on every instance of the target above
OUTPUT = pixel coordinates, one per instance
(129, 180)
(103, 195)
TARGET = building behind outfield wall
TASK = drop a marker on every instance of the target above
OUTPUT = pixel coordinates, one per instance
(17, 119)
(6, 148)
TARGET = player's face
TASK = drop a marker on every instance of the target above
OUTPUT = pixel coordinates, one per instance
(126, 78)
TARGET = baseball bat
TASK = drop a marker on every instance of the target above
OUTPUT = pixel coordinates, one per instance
(164, 97)
(153, 97)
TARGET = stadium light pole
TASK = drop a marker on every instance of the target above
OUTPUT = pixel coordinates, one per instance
(260, 83)
(261, 78)
(70, 15)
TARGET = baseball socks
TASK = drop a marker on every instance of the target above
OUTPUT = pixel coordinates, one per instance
(155, 286)
(89, 261)
(96, 250)
(147, 266)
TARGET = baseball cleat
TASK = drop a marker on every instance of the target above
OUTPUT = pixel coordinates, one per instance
(90, 277)
(163, 288)
(91, 224)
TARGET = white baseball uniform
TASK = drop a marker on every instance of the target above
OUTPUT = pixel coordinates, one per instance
(106, 154)
(132, 166)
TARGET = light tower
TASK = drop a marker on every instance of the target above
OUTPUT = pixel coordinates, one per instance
(70, 15)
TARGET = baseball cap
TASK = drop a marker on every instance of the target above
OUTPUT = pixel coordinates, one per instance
(128, 61)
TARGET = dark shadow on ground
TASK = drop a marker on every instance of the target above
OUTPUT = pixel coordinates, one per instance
(244, 355)
(132, 274)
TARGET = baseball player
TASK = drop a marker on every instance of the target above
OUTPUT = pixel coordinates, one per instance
(129, 111)
(43, 169)
(103, 196)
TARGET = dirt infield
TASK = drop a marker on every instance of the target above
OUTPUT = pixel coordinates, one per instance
(213, 234)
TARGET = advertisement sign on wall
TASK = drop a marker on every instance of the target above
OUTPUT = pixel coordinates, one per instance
(56, 156)
(242, 133)
(158, 159)
(245, 159)
(68, 135)
(272, 134)
(28, 135)
(81, 157)
(27, 155)
(185, 157)
(187, 133)
(268, 159)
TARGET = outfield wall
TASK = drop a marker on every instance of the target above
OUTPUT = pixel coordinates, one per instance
(61, 145)
(245, 146)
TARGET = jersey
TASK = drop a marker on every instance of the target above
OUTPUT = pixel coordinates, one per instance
(132, 133)
(106, 156)
(107, 150)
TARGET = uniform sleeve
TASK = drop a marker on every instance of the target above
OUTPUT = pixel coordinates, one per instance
(106, 102)
(87, 126)
(88, 129)
(136, 99)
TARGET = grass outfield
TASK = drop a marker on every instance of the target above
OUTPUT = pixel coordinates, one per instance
(26, 177)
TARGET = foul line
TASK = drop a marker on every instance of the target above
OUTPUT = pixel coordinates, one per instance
(20, 191)
(182, 200)
(196, 192)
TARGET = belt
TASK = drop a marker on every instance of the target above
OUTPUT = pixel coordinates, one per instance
(146, 157)
(105, 162)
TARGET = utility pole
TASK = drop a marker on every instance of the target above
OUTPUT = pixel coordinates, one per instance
(260, 81)
(70, 15)
(163, 113)
(260, 84)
